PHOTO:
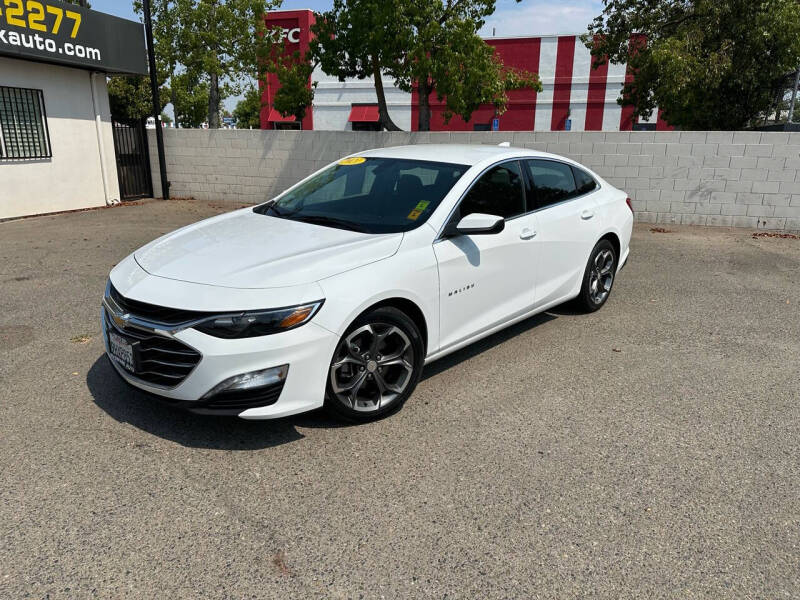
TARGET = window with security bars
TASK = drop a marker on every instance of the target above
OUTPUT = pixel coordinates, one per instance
(23, 124)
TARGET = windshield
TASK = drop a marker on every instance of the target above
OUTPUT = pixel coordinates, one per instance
(372, 195)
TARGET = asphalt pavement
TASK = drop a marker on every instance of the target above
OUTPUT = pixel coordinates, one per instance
(649, 450)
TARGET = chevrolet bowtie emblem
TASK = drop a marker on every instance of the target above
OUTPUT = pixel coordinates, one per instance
(121, 320)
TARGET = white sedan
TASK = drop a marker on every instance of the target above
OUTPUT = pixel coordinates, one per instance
(340, 290)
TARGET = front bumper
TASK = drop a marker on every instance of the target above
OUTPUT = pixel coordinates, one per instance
(307, 350)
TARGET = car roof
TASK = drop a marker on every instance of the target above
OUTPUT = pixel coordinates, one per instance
(462, 154)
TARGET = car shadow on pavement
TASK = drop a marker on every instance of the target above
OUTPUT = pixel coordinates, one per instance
(126, 404)
(466, 353)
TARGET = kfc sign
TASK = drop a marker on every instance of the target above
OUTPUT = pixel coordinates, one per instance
(292, 35)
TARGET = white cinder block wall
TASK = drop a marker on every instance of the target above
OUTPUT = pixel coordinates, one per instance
(740, 179)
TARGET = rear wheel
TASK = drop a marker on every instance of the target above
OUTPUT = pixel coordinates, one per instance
(376, 365)
(598, 278)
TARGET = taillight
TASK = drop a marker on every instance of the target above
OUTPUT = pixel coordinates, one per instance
(629, 202)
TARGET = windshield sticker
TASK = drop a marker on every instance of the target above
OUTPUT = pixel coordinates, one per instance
(418, 210)
(353, 160)
(422, 205)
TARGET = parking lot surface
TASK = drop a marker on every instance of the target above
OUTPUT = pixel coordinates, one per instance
(649, 450)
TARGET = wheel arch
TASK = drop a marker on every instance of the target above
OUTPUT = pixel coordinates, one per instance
(406, 306)
(612, 237)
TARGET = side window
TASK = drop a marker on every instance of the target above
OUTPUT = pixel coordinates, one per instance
(584, 182)
(497, 192)
(552, 181)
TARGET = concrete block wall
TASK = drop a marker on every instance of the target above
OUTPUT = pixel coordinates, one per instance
(728, 178)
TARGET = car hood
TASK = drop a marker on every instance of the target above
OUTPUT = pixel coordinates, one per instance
(244, 249)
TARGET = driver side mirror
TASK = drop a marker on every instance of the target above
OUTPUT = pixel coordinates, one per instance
(480, 224)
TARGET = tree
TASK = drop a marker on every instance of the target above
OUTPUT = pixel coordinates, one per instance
(129, 97)
(427, 45)
(447, 56)
(362, 39)
(217, 42)
(166, 27)
(248, 111)
(189, 97)
(707, 64)
(295, 95)
(221, 39)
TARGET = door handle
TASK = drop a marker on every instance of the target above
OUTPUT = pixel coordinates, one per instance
(527, 234)
(587, 214)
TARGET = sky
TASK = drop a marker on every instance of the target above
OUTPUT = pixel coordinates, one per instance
(529, 17)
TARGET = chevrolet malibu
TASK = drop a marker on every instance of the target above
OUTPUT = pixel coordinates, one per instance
(338, 291)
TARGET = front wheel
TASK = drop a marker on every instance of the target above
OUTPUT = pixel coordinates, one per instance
(376, 365)
(598, 278)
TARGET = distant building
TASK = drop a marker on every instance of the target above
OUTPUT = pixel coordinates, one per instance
(575, 96)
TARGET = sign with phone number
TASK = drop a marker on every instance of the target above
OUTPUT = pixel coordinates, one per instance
(60, 33)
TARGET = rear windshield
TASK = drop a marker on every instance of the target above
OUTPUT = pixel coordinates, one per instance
(372, 195)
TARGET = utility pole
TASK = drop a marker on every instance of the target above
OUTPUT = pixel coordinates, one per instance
(794, 95)
(151, 57)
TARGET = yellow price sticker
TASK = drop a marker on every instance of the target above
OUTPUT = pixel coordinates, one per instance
(353, 160)
(414, 214)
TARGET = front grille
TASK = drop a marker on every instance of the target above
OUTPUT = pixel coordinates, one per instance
(161, 361)
(151, 312)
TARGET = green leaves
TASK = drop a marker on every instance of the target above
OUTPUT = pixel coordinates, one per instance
(422, 44)
(215, 44)
(188, 93)
(294, 97)
(129, 97)
(708, 64)
(248, 111)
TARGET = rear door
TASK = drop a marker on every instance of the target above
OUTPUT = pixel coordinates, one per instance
(568, 227)
(487, 279)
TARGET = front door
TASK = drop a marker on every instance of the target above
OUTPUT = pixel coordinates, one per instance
(486, 279)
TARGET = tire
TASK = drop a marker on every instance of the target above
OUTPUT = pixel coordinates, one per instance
(598, 278)
(375, 367)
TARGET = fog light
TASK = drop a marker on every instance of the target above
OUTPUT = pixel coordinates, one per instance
(250, 381)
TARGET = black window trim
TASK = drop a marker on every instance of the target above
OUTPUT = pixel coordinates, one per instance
(43, 136)
(528, 182)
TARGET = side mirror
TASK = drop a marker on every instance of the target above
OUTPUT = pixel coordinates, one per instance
(480, 224)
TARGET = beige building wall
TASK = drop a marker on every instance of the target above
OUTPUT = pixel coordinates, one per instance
(74, 177)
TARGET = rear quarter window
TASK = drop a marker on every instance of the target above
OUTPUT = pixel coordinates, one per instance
(584, 183)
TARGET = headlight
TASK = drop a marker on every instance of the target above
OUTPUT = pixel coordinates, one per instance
(257, 323)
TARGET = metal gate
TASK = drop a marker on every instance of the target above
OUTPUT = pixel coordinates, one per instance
(133, 160)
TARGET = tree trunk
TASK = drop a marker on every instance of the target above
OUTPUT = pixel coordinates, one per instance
(383, 111)
(424, 119)
(213, 102)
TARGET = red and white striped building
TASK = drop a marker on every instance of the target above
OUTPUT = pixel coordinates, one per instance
(575, 96)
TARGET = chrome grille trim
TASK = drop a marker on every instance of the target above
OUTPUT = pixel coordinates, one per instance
(156, 348)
